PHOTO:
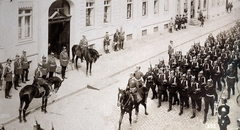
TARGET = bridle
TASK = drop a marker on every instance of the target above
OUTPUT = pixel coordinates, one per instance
(121, 102)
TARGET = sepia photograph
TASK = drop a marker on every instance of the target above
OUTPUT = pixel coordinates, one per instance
(119, 64)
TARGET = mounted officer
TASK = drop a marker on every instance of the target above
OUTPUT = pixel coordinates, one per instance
(83, 46)
(133, 87)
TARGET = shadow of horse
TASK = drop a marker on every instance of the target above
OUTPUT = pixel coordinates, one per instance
(127, 104)
(29, 92)
(90, 56)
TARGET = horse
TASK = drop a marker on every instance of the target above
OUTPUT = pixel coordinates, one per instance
(127, 104)
(29, 92)
(90, 56)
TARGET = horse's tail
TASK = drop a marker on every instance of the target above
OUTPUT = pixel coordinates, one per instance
(73, 52)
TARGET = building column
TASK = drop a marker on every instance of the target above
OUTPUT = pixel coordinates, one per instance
(189, 10)
(201, 4)
(195, 8)
(182, 7)
(209, 7)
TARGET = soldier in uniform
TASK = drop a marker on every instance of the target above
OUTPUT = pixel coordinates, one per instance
(84, 46)
(52, 65)
(44, 67)
(139, 76)
(7, 74)
(196, 96)
(170, 49)
(183, 91)
(209, 97)
(216, 75)
(206, 67)
(64, 59)
(223, 120)
(106, 43)
(116, 40)
(150, 81)
(172, 89)
(38, 71)
(195, 67)
(17, 71)
(133, 87)
(1, 72)
(162, 83)
(121, 38)
(231, 77)
(25, 66)
(224, 105)
(171, 25)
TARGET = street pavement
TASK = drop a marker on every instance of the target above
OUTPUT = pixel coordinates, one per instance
(76, 107)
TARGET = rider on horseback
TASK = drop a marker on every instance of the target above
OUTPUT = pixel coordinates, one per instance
(40, 82)
(83, 46)
(139, 76)
(133, 87)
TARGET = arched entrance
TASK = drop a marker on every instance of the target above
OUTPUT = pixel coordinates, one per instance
(59, 27)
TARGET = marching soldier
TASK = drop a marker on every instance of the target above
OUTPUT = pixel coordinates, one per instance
(231, 77)
(52, 65)
(7, 74)
(162, 83)
(196, 96)
(121, 38)
(223, 120)
(185, 65)
(206, 67)
(172, 89)
(64, 59)
(216, 75)
(209, 97)
(25, 66)
(149, 79)
(195, 67)
(44, 67)
(183, 91)
(17, 71)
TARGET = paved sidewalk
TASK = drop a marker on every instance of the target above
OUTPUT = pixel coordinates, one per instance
(108, 65)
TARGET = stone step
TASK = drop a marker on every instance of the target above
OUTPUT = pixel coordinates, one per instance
(194, 22)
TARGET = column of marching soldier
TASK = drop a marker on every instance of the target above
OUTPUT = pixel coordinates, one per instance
(199, 74)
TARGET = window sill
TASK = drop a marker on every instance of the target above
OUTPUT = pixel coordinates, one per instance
(25, 41)
(88, 28)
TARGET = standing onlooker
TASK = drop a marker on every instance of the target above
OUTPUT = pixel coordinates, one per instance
(170, 49)
(7, 74)
(115, 40)
(17, 71)
(64, 59)
(121, 38)
(52, 65)
(25, 67)
(171, 25)
(44, 67)
(106, 43)
(1, 72)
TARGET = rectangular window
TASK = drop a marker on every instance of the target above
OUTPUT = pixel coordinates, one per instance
(166, 5)
(156, 7)
(205, 4)
(107, 14)
(89, 12)
(129, 9)
(144, 8)
(24, 23)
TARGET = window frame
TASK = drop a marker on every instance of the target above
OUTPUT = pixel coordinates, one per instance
(144, 10)
(90, 6)
(130, 3)
(156, 6)
(25, 29)
(108, 13)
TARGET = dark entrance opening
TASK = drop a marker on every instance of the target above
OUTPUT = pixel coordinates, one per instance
(59, 27)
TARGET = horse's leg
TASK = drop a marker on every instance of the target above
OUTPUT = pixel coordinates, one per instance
(120, 120)
(87, 63)
(90, 69)
(20, 111)
(136, 111)
(130, 119)
(76, 62)
(24, 110)
(44, 101)
(45, 105)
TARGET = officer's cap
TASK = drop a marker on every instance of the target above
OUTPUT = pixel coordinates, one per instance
(24, 51)
(64, 47)
(44, 57)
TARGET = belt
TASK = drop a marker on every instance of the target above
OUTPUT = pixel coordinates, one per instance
(19, 67)
(65, 60)
(44, 69)
(210, 95)
(230, 77)
(52, 65)
(139, 79)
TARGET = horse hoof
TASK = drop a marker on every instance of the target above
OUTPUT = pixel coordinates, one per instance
(146, 113)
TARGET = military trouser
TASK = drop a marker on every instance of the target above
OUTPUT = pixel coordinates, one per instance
(165, 96)
(8, 88)
(196, 102)
(25, 75)
(184, 100)
(231, 85)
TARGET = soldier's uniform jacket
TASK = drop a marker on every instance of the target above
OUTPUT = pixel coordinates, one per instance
(195, 90)
(18, 67)
(38, 73)
(7, 73)
(210, 92)
(216, 71)
(231, 76)
(115, 37)
(183, 88)
(173, 87)
(64, 58)
(106, 40)
(162, 82)
(138, 75)
(52, 64)
(170, 49)
(83, 43)
(44, 68)
(223, 121)
(1, 69)
(149, 77)
(25, 64)
(121, 36)
(133, 85)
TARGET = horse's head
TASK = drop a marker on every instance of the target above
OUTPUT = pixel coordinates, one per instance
(123, 97)
(56, 81)
(94, 54)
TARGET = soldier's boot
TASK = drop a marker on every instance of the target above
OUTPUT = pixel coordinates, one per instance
(194, 113)
(170, 106)
(15, 85)
(205, 118)
(181, 110)
(212, 112)
(159, 102)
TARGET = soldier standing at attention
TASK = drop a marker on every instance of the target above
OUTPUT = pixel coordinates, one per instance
(17, 71)
(25, 66)
(7, 74)
(44, 67)
(121, 38)
(64, 59)
(106, 43)
(51, 65)
(170, 49)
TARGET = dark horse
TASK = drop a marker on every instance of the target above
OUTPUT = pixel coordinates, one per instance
(90, 56)
(127, 104)
(29, 92)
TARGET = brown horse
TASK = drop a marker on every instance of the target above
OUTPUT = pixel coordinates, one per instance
(29, 92)
(127, 104)
(90, 56)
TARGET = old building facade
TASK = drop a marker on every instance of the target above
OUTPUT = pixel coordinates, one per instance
(44, 26)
